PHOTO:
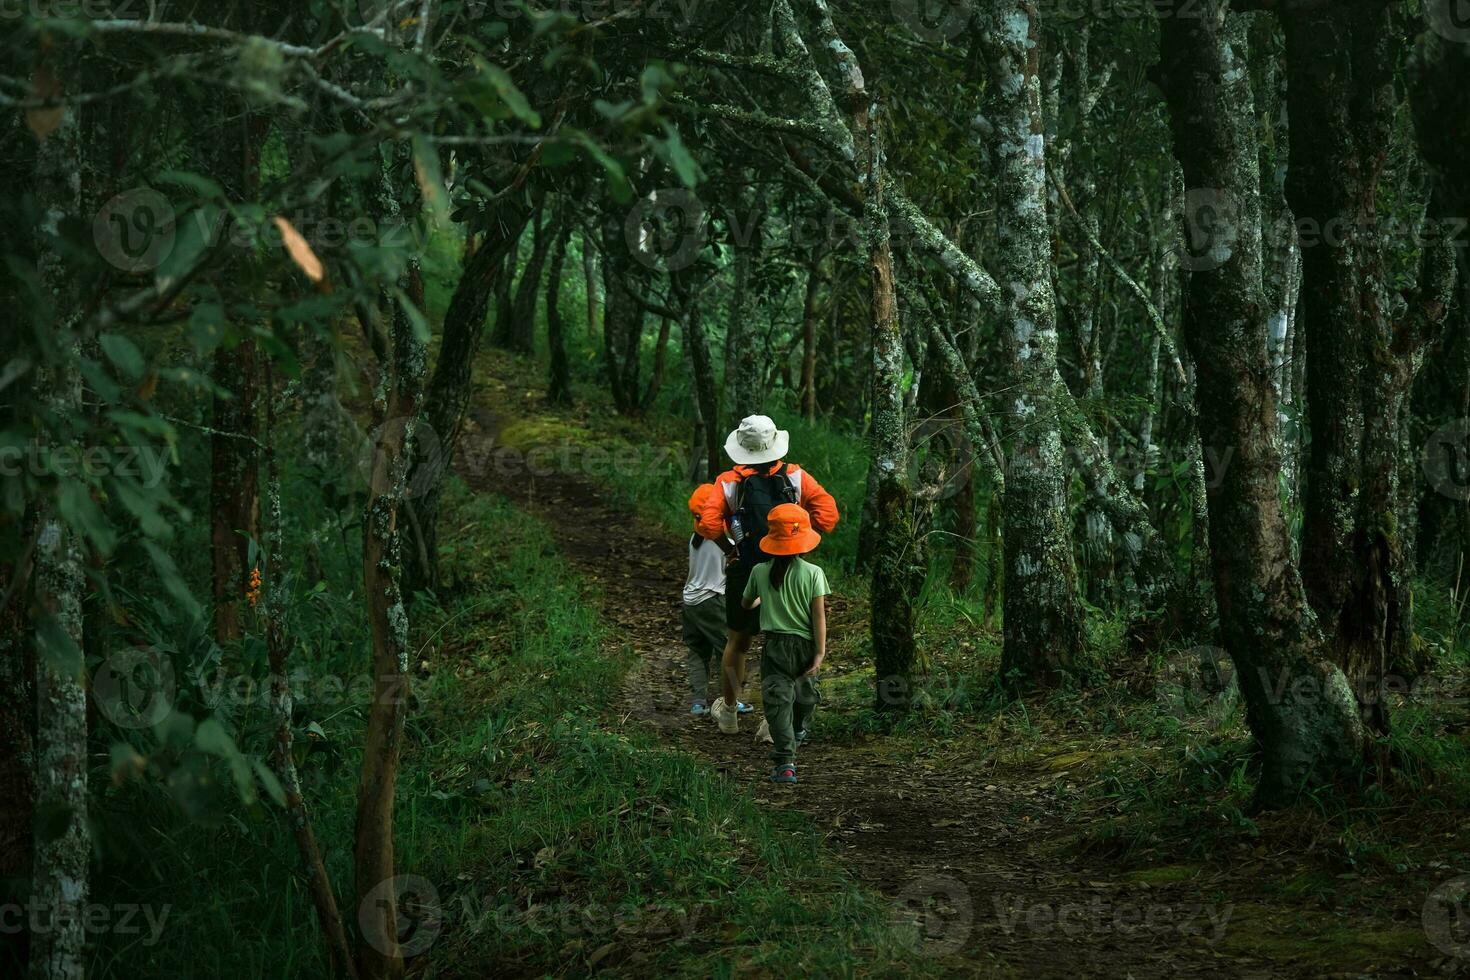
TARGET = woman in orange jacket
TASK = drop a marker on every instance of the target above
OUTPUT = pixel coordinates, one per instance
(734, 517)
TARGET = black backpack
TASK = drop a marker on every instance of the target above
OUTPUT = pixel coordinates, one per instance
(759, 494)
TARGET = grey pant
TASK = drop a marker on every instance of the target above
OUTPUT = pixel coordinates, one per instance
(788, 695)
(704, 635)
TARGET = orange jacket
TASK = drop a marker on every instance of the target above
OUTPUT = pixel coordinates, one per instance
(719, 507)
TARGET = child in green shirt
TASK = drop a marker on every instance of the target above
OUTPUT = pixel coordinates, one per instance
(791, 596)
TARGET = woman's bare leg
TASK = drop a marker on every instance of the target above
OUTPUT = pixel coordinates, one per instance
(737, 647)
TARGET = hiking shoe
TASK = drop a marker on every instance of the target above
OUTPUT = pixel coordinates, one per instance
(763, 734)
(728, 720)
(742, 708)
(800, 737)
(698, 710)
(784, 773)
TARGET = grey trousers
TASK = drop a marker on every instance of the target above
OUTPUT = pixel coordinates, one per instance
(704, 635)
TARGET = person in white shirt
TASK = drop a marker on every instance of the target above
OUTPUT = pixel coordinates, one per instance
(704, 608)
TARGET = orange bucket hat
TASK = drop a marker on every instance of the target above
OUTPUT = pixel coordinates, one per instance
(790, 531)
(699, 496)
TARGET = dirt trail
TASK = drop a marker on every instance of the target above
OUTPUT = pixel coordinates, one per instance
(967, 854)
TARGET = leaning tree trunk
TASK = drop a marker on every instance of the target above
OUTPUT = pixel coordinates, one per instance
(447, 397)
(1298, 703)
(1042, 617)
(59, 869)
(745, 353)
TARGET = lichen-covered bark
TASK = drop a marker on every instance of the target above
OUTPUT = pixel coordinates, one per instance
(1298, 703)
(319, 884)
(1042, 617)
(896, 556)
(59, 870)
(400, 387)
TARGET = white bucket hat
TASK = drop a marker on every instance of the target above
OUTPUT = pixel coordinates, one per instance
(756, 441)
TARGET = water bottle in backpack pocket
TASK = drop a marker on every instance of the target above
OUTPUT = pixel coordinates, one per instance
(759, 494)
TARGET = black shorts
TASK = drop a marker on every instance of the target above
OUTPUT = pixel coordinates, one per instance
(737, 617)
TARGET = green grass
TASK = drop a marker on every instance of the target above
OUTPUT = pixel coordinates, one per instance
(553, 841)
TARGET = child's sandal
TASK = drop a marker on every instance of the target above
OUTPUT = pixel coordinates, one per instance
(785, 773)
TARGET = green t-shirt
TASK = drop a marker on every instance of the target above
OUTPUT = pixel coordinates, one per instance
(789, 608)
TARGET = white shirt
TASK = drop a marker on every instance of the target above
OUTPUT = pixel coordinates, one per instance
(706, 572)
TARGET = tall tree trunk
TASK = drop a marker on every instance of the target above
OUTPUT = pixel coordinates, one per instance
(523, 313)
(1298, 703)
(589, 280)
(234, 482)
(63, 843)
(745, 353)
(706, 395)
(622, 319)
(1042, 617)
(559, 383)
(897, 566)
(278, 648)
(504, 323)
(1360, 363)
(447, 397)
(810, 320)
(660, 352)
(1439, 88)
(396, 411)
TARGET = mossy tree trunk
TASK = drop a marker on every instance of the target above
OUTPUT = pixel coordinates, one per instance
(1042, 615)
(1298, 703)
(62, 838)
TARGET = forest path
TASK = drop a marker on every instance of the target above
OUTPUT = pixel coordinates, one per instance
(973, 857)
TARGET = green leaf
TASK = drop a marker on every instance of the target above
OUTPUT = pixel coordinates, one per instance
(173, 581)
(198, 183)
(211, 738)
(81, 513)
(269, 781)
(514, 100)
(416, 318)
(124, 355)
(678, 156)
(58, 649)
